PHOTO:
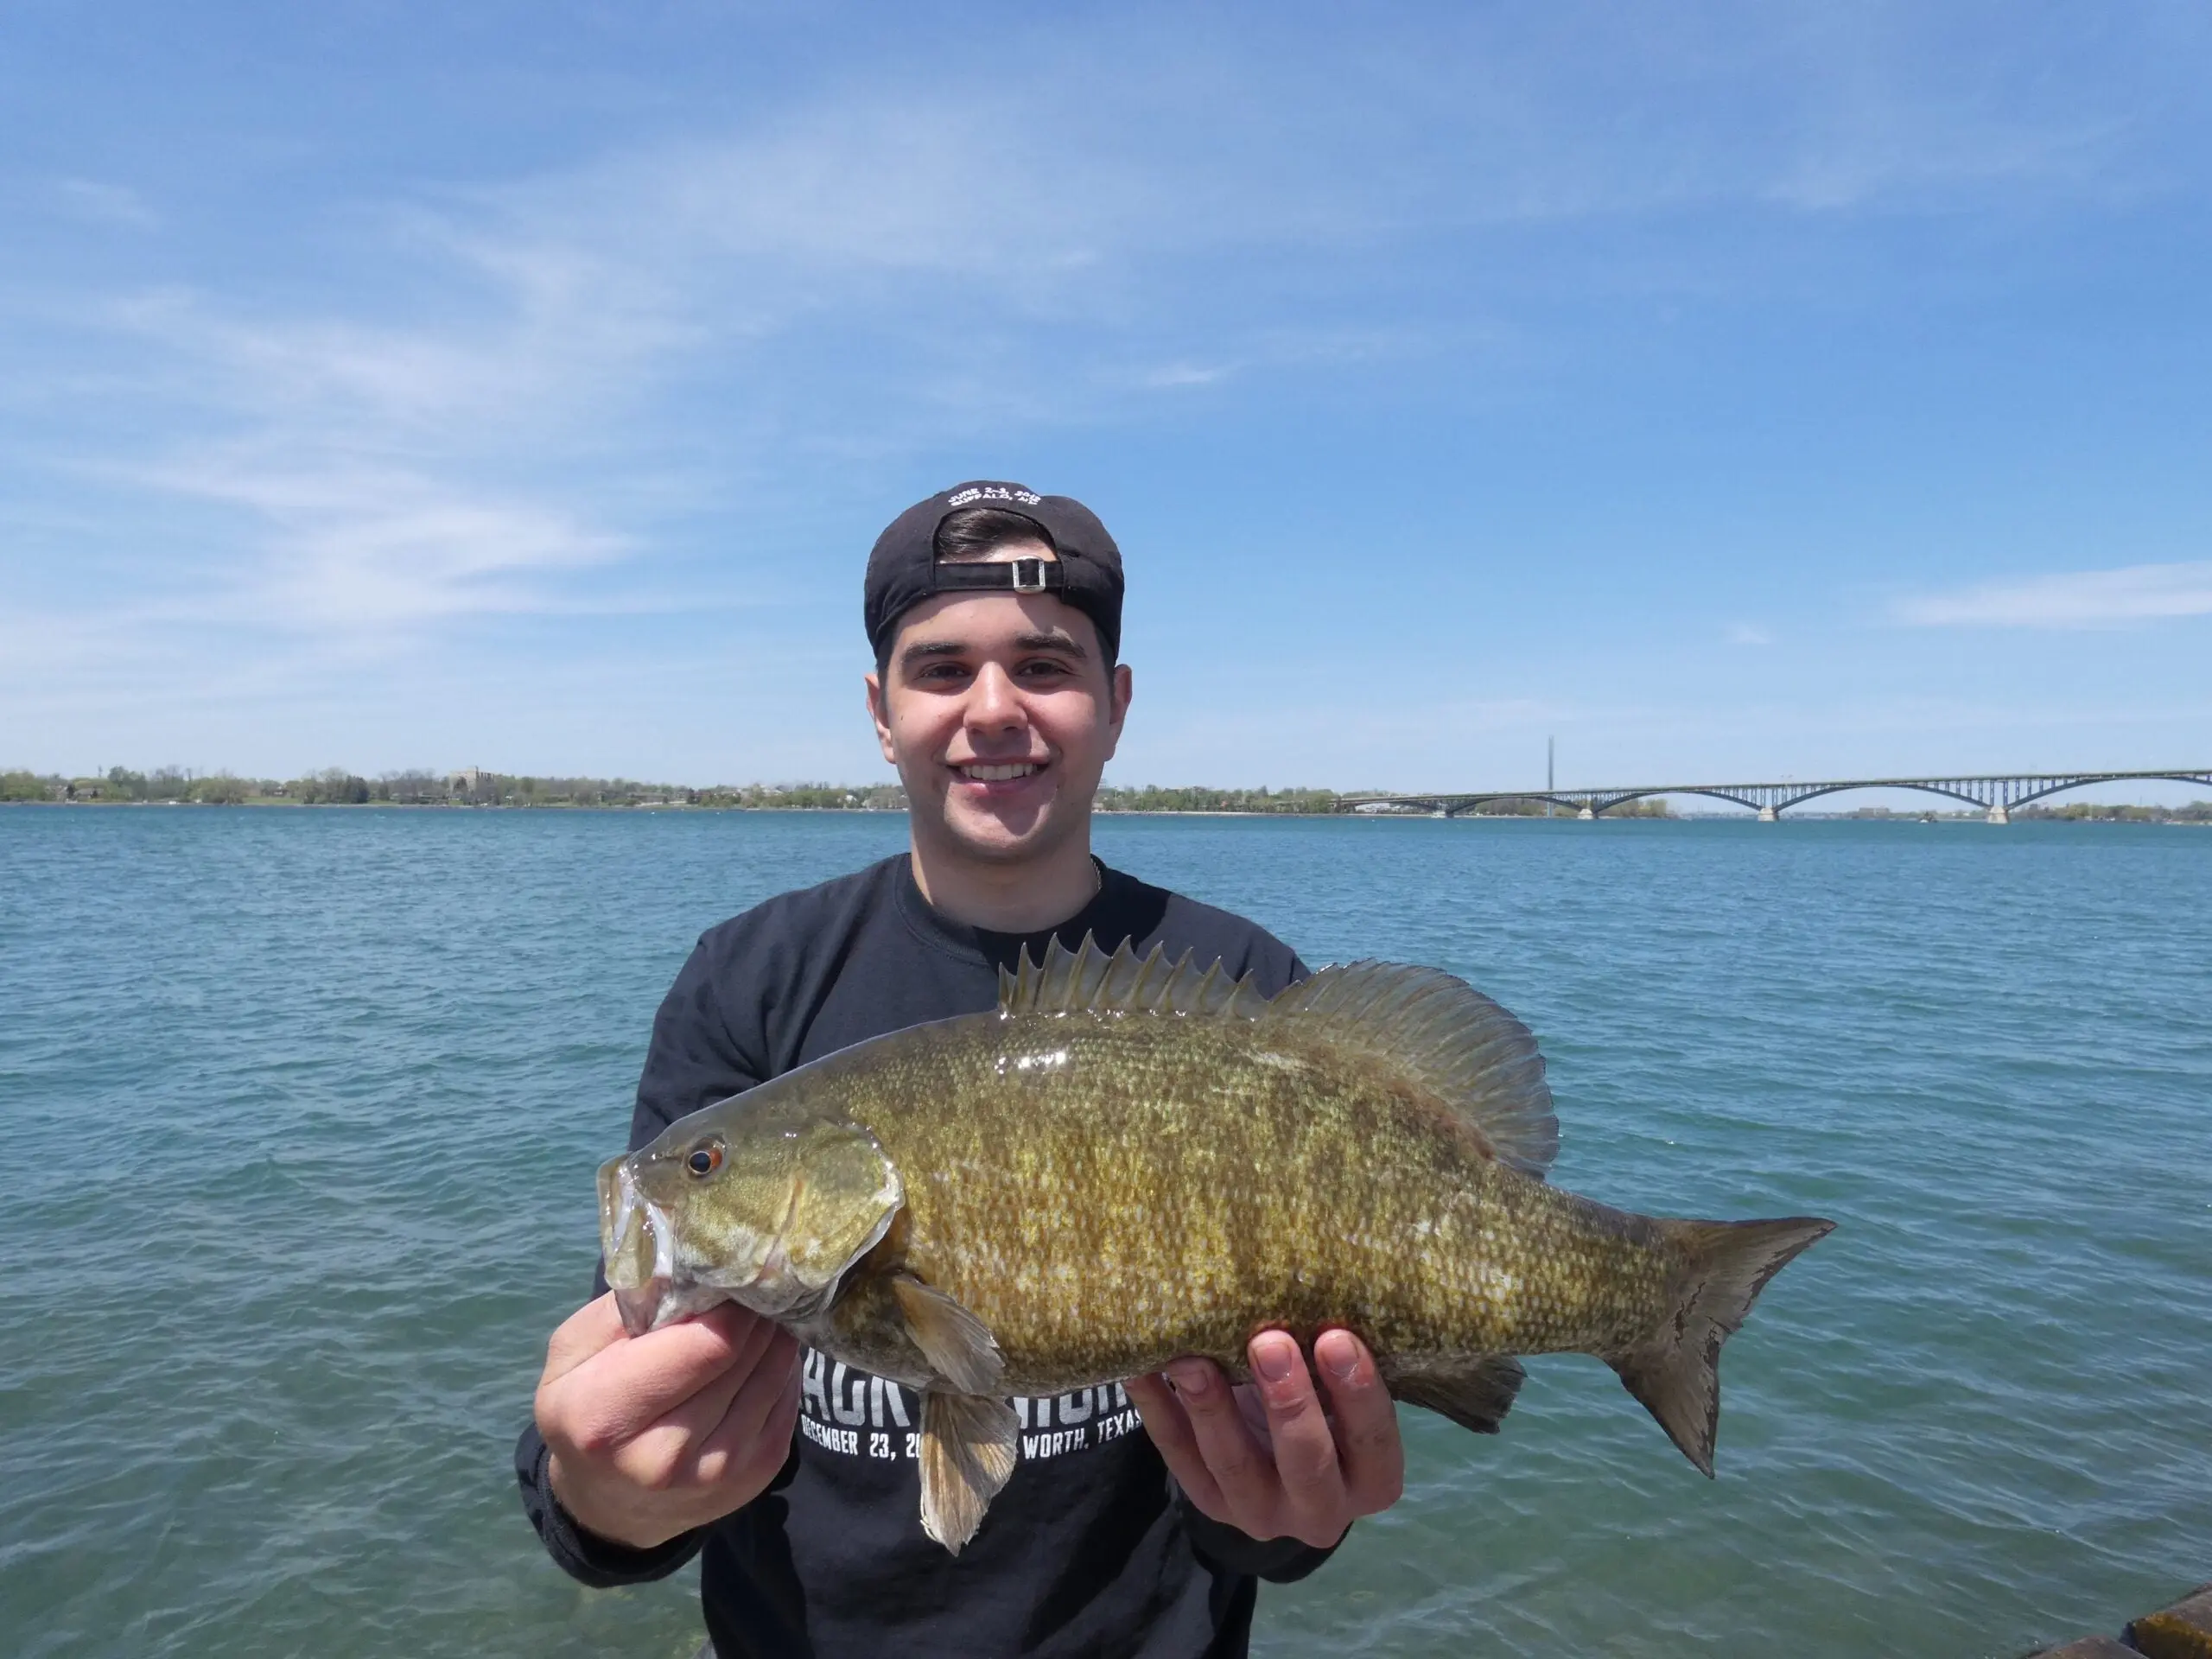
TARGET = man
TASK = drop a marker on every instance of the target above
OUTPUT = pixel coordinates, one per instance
(995, 617)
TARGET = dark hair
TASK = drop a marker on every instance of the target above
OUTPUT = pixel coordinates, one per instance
(976, 533)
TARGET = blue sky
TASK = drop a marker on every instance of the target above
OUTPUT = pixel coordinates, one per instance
(1729, 390)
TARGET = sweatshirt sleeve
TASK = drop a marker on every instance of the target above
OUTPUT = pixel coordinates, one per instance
(584, 1556)
(694, 1059)
(1222, 1547)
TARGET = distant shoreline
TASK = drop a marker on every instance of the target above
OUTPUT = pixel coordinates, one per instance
(2144, 818)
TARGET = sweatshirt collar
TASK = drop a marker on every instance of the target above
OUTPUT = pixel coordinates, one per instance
(982, 946)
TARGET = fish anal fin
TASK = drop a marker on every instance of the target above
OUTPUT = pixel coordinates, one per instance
(1721, 1267)
(1447, 1036)
(959, 1346)
(967, 1454)
(1475, 1391)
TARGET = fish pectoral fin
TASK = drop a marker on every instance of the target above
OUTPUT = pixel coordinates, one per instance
(1475, 1392)
(967, 1454)
(955, 1343)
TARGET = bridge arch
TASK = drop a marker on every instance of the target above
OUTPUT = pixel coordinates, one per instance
(2199, 780)
(1612, 801)
(1475, 803)
(1924, 788)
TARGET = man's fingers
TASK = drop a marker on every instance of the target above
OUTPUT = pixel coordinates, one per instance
(667, 1448)
(1368, 1446)
(758, 1425)
(627, 1385)
(1305, 1444)
(595, 1326)
(1239, 1464)
(1169, 1425)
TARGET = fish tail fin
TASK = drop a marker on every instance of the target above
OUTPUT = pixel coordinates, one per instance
(1721, 1268)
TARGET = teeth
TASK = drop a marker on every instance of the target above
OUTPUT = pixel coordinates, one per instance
(998, 774)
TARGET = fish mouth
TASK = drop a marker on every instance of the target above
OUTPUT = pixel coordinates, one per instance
(636, 1246)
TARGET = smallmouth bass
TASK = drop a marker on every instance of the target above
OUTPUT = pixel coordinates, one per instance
(1130, 1160)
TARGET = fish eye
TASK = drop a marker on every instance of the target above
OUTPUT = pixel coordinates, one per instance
(705, 1158)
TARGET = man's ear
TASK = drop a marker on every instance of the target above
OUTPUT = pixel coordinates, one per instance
(879, 710)
(1121, 686)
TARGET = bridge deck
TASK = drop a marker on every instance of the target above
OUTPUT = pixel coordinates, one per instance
(1997, 793)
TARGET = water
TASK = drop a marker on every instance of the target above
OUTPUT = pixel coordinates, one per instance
(298, 1112)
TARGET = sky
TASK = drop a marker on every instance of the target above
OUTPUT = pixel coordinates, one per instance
(1725, 390)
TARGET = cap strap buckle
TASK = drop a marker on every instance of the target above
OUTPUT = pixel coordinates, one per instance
(1029, 576)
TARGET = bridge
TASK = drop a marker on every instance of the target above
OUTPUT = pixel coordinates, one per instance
(1998, 794)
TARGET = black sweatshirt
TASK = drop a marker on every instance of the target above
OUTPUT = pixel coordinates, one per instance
(1090, 1549)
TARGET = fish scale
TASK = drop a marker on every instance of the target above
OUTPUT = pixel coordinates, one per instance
(1155, 1183)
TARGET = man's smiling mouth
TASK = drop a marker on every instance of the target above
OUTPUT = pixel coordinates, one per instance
(976, 771)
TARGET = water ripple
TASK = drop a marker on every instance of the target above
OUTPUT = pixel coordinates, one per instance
(299, 1111)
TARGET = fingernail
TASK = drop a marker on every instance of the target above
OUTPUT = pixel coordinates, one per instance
(1193, 1379)
(1342, 1358)
(1273, 1360)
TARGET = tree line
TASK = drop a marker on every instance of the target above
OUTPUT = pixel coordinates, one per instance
(335, 787)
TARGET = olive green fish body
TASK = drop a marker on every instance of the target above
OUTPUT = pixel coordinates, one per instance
(1107, 1192)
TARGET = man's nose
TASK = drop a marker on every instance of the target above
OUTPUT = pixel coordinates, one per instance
(992, 703)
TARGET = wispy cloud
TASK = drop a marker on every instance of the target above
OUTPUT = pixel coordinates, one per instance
(1749, 633)
(2078, 599)
(97, 202)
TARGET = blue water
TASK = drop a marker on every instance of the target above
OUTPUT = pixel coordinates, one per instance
(298, 1111)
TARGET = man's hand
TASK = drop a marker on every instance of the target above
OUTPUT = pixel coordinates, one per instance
(1267, 1458)
(654, 1435)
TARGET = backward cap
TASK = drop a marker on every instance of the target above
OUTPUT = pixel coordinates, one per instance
(903, 568)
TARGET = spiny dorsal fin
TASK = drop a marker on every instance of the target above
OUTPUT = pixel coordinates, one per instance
(1455, 1041)
(1088, 980)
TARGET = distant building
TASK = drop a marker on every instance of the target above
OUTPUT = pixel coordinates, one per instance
(464, 782)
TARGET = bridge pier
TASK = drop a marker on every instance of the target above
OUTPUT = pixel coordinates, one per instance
(1998, 814)
(1766, 815)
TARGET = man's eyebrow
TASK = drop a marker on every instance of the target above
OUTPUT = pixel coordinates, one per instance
(1055, 640)
(922, 650)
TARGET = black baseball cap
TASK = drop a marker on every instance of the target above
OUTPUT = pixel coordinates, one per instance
(904, 569)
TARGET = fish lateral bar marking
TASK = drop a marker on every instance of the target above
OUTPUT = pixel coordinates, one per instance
(1473, 1055)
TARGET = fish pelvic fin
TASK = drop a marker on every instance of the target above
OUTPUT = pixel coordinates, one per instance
(1721, 1267)
(959, 1346)
(1447, 1036)
(1475, 1391)
(967, 1454)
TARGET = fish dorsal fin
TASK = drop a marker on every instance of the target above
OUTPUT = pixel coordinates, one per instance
(1456, 1043)
(1088, 980)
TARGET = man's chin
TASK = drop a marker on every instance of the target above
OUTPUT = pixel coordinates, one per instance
(1004, 834)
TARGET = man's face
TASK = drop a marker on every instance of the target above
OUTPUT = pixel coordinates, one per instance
(1000, 713)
